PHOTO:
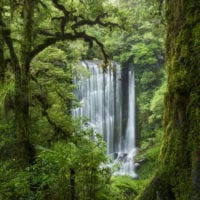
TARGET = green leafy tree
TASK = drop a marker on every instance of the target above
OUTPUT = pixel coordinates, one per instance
(44, 153)
(72, 170)
(140, 43)
(26, 36)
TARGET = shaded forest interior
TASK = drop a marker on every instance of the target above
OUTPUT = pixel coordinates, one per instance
(45, 152)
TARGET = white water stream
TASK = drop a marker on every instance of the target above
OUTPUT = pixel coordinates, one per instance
(108, 101)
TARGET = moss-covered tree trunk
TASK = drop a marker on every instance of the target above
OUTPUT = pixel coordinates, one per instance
(2, 61)
(25, 150)
(178, 174)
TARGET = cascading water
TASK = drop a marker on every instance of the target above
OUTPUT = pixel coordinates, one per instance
(108, 101)
(127, 155)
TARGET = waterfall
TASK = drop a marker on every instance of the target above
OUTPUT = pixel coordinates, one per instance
(108, 101)
(126, 156)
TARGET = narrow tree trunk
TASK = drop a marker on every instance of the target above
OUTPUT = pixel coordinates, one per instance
(72, 185)
(178, 175)
(22, 80)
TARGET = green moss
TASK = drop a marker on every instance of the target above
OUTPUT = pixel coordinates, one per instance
(127, 187)
(175, 178)
(184, 51)
(196, 38)
(147, 168)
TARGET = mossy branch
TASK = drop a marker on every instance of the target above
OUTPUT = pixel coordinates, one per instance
(66, 15)
(67, 36)
(97, 21)
(42, 99)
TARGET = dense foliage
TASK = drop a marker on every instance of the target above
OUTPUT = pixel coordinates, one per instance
(45, 153)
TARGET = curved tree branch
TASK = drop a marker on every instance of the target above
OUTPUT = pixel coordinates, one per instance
(67, 36)
(97, 21)
(65, 17)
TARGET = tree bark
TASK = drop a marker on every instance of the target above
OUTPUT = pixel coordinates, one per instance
(22, 92)
(2, 60)
(178, 175)
(72, 185)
